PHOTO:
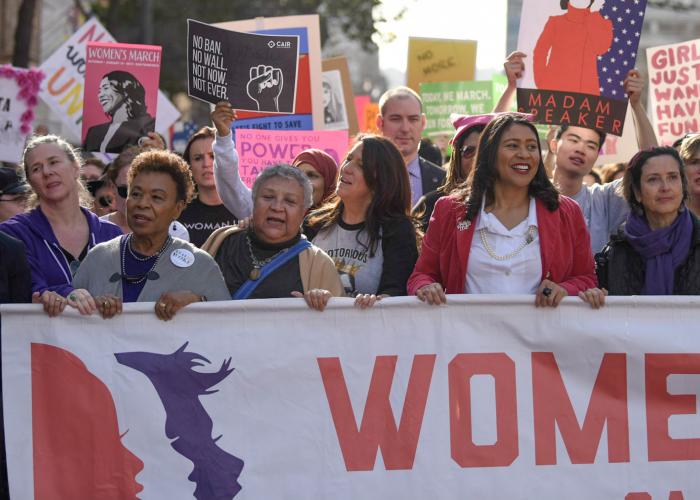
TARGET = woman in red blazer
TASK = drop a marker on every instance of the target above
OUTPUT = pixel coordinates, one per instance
(507, 230)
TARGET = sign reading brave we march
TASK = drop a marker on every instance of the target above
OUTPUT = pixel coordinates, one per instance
(578, 55)
(253, 72)
(486, 397)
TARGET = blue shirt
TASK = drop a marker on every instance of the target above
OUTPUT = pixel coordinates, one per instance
(416, 180)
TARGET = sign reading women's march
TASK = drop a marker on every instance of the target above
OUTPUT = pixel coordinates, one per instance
(674, 89)
(18, 97)
(578, 55)
(467, 98)
(121, 95)
(65, 69)
(253, 72)
(257, 149)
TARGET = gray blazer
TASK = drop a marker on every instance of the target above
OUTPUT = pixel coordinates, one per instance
(203, 277)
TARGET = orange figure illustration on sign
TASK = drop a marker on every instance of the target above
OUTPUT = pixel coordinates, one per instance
(566, 54)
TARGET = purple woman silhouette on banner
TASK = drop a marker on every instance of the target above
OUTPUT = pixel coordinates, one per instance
(187, 423)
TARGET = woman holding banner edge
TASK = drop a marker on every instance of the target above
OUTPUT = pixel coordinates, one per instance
(657, 250)
(507, 230)
(271, 258)
(147, 264)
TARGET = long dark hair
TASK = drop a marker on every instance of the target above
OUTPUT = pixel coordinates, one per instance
(482, 178)
(386, 176)
(131, 89)
(454, 175)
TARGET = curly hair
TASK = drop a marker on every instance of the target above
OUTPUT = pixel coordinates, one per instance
(482, 178)
(167, 163)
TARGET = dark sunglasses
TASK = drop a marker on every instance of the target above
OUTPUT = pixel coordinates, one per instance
(104, 201)
(123, 191)
(467, 150)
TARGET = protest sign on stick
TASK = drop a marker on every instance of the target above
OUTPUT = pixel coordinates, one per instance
(577, 59)
(18, 97)
(308, 114)
(252, 72)
(465, 98)
(62, 89)
(439, 60)
(258, 149)
(674, 90)
(121, 95)
(338, 97)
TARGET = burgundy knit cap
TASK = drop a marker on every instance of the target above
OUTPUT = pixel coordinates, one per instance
(324, 165)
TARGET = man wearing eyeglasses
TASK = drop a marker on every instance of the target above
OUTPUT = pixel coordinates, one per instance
(402, 120)
(14, 192)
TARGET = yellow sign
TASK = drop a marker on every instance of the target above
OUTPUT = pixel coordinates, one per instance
(439, 60)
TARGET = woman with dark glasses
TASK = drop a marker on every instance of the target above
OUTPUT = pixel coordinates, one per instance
(464, 145)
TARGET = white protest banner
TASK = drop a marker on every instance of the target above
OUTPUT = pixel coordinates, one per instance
(62, 90)
(485, 397)
(674, 90)
(18, 98)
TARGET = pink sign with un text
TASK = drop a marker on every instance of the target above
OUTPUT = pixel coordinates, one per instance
(257, 149)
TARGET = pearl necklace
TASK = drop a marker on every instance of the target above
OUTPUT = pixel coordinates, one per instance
(257, 264)
(135, 280)
(529, 238)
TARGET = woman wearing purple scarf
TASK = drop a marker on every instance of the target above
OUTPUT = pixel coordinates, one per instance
(657, 250)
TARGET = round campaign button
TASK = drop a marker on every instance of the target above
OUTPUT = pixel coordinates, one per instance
(182, 257)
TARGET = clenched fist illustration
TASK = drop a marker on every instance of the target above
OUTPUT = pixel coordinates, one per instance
(265, 86)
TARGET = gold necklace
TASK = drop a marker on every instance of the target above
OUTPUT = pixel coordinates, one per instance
(529, 238)
(258, 264)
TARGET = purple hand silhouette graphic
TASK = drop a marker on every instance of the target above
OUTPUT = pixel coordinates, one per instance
(265, 86)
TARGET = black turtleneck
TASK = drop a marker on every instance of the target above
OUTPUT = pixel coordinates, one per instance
(236, 263)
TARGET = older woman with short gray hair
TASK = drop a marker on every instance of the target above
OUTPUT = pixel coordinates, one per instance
(272, 258)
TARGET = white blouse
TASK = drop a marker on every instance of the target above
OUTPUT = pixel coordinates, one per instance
(518, 268)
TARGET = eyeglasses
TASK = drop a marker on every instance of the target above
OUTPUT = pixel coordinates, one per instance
(123, 191)
(467, 150)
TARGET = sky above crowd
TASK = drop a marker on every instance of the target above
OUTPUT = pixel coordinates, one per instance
(484, 22)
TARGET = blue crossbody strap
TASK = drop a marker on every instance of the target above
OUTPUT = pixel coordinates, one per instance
(247, 288)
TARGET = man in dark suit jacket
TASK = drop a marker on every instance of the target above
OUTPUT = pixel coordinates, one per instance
(402, 120)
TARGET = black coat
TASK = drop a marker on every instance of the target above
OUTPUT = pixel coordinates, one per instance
(15, 276)
(621, 270)
(431, 175)
(128, 134)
